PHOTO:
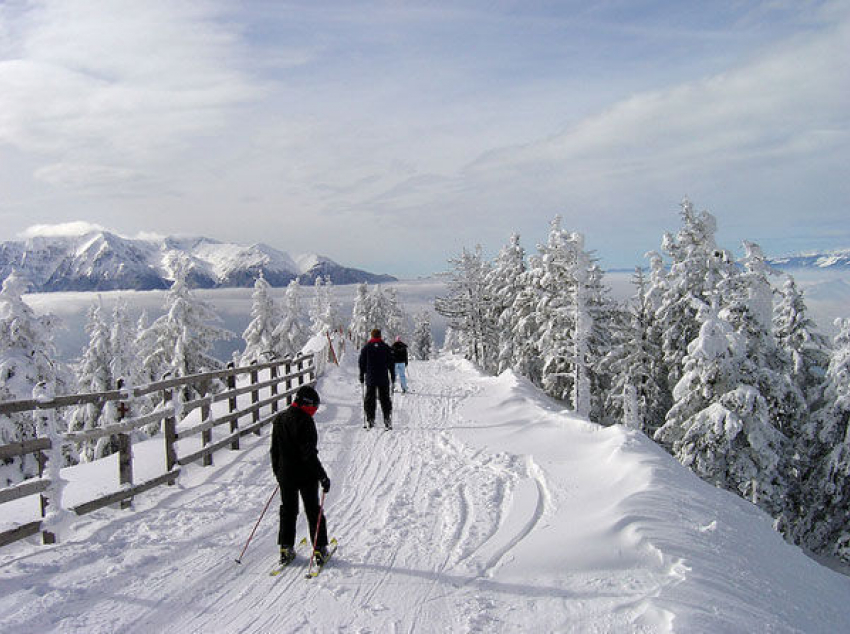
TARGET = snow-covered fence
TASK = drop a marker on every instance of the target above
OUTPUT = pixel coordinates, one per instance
(261, 386)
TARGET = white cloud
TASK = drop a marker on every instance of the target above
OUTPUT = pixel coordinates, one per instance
(117, 83)
(65, 229)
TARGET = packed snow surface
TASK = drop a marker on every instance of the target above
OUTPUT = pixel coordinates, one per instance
(487, 509)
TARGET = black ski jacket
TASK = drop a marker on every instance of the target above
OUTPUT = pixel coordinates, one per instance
(400, 352)
(377, 367)
(295, 457)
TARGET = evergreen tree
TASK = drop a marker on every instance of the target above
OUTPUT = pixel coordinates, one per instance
(467, 306)
(423, 343)
(824, 524)
(749, 308)
(185, 334)
(451, 342)
(797, 337)
(290, 332)
(395, 321)
(94, 374)
(719, 426)
(525, 356)
(504, 284)
(572, 310)
(27, 356)
(634, 363)
(265, 316)
(324, 313)
(697, 267)
(556, 313)
(359, 326)
(122, 344)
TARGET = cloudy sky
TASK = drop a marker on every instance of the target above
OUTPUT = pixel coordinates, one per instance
(388, 135)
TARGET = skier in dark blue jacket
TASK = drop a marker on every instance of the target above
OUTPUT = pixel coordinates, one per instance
(377, 372)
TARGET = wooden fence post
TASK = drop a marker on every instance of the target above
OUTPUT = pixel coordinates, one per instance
(169, 430)
(231, 401)
(255, 398)
(288, 382)
(206, 435)
(125, 466)
(46, 536)
(274, 375)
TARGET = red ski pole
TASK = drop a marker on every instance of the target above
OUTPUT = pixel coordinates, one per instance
(318, 523)
(251, 536)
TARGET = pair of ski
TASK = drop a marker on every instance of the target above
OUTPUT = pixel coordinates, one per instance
(316, 568)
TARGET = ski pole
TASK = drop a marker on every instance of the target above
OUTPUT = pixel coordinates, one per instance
(318, 523)
(251, 536)
(363, 402)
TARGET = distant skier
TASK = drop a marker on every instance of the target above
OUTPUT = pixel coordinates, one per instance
(296, 465)
(400, 357)
(377, 371)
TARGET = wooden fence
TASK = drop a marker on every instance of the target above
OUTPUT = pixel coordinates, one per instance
(284, 379)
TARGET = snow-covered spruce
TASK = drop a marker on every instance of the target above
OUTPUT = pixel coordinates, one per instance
(27, 352)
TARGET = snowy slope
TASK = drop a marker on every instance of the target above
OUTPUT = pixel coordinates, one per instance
(487, 509)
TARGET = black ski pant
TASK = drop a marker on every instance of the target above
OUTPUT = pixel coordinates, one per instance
(290, 490)
(382, 392)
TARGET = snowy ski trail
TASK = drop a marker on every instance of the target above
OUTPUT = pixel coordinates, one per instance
(486, 508)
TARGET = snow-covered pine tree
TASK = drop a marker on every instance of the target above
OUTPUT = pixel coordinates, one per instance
(467, 306)
(719, 426)
(749, 308)
(122, 345)
(396, 318)
(634, 365)
(27, 357)
(697, 266)
(572, 308)
(525, 358)
(825, 523)
(451, 342)
(126, 370)
(556, 313)
(602, 317)
(94, 374)
(259, 336)
(504, 283)
(290, 333)
(797, 336)
(323, 310)
(423, 341)
(380, 310)
(359, 326)
(185, 334)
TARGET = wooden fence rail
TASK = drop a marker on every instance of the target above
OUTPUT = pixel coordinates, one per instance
(288, 374)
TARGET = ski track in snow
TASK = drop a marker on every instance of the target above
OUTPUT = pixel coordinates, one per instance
(437, 533)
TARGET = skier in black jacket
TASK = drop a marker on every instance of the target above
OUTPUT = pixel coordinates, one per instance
(377, 371)
(296, 465)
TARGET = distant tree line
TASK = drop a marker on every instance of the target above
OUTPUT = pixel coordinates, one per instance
(708, 358)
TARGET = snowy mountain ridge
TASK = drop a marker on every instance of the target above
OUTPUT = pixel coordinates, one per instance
(101, 260)
(835, 259)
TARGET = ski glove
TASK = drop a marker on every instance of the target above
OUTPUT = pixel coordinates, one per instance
(326, 484)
